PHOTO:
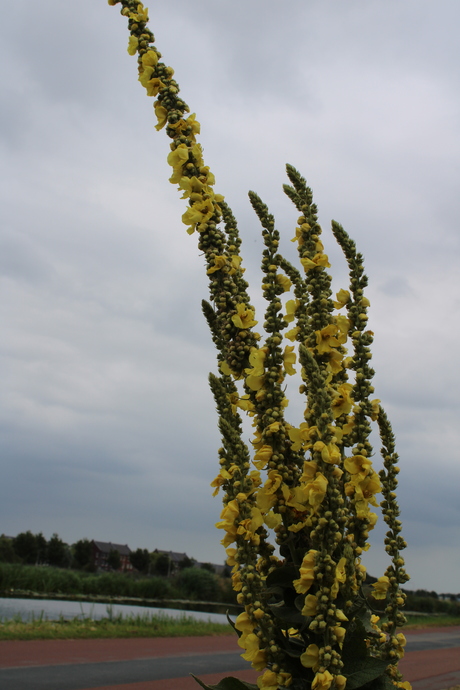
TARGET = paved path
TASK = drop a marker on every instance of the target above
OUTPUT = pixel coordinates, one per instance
(432, 662)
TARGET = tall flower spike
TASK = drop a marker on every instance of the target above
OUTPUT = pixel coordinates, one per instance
(305, 620)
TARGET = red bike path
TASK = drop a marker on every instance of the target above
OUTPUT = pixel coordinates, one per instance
(428, 669)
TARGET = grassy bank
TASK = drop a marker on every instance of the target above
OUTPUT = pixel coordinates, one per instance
(414, 621)
(55, 580)
(147, 626)
(193, 584)
(117, 627)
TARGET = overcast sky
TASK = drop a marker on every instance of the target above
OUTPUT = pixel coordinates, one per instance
(108, 430)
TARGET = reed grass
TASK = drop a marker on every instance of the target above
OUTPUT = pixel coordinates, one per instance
(119, 626)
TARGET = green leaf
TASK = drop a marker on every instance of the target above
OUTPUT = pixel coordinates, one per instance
(238, 632)
(383, 682)
(354, 646)
(283, 576)
(368, 670)
(364, 616)
(287, 614)
(228, 683)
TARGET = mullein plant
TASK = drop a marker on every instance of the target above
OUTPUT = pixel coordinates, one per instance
(307, 622)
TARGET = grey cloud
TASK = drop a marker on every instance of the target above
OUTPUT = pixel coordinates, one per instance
(108, 424)
(397, 286)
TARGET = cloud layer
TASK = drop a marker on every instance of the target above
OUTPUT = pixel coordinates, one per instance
(108, 428)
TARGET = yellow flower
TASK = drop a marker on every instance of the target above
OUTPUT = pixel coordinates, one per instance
(310, 657)
(291, 308)
(322, 681)
(148, 81)
(231, 556)
(317, 490)
(253, 654)
(179, 156)
(273, 482)
(225, 369)
(219, 262)
(375, 405)
(309, 469)
(193, 123)
(342, 401)
(304, 227)
(198, 214)
(149, 59)
(292, 334)
(273, 520)
(310, 606)
(133, 42)
(265, 501)
(284, 282)
(255, 383)
(340, 682)
(368, 487)
(272, 681)
(343, 296)
(221, 478)
(399, 642)
(268, 681)
(307, 577)
(262, 456)
(381, 587)
(245, 404)
(244, 317)
(320, 260)
(272, 428)
(340, 616)
(256, 360)
(228, 516)
(300, 437)
(343, 324)
(190, 185)
(358, 466)
(244, 624)
(298, 525)
(334, 364)
(162, 116)
(326, 338)
(289, 358)
(237, 583)
(142, 13)
(340, 577)
(330, 453)
(339, 632)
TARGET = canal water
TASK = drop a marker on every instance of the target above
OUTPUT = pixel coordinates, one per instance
(28, 609)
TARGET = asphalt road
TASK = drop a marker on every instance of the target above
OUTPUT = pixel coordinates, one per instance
(33, 673)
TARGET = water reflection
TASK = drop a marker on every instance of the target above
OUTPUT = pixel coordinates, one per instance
(27, 609)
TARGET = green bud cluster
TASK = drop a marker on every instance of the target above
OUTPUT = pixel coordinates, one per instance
(301, 607)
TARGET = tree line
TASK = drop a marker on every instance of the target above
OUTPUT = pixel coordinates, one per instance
(34, 549)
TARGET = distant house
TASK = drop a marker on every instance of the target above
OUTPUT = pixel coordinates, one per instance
(101, 551)
(174, 558)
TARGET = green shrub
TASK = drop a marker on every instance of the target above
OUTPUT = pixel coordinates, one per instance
(197, 583)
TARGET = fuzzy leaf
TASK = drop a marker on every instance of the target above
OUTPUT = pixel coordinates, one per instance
(354, 646)
(288, 614)
(367, 670)
(283, 576)
(238, 632)
(383, 682)
(228, 683)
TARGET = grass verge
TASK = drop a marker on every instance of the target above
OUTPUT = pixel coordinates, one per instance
(114, 627)
(414, 622)
(147, 626)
